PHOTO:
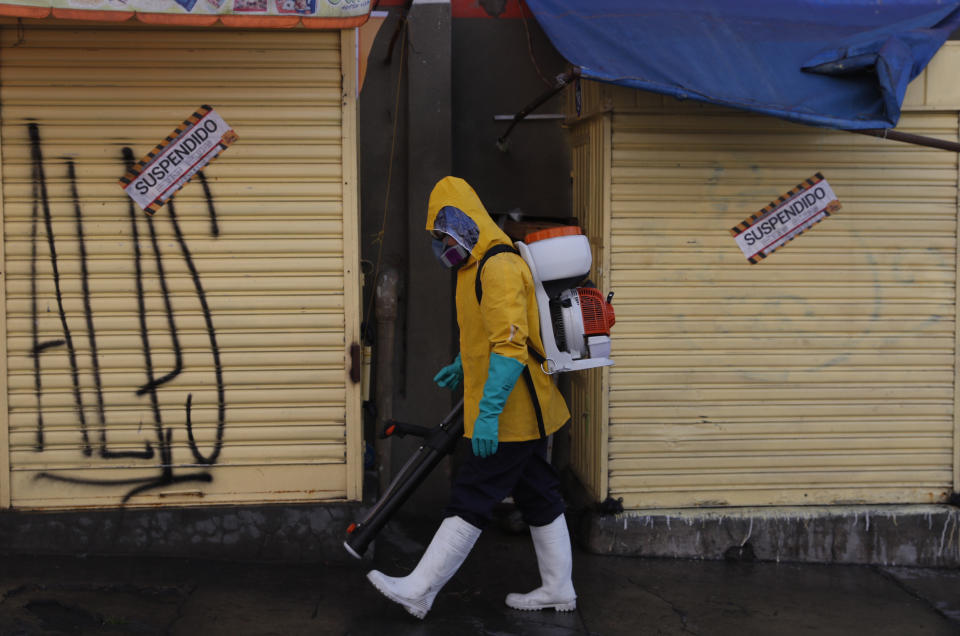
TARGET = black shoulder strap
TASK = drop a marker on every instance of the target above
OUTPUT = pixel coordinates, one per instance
(478, 287)
(493, 251)
(528, 378)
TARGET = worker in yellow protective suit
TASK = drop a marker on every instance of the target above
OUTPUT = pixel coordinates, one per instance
(506, 418)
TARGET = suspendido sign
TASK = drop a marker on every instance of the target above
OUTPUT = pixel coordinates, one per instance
(786, 218)
(166, 169)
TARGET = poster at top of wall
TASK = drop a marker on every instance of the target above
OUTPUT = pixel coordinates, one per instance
(785, 218)
(332, 10)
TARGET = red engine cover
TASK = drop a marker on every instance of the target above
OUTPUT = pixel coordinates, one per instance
(598, 315)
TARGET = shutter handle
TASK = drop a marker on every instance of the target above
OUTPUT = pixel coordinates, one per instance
(356, 363)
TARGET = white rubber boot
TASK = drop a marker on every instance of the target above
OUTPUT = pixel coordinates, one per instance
(447, 551)
(555, 560)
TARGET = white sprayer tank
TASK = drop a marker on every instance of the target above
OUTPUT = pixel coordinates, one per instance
(561, 256)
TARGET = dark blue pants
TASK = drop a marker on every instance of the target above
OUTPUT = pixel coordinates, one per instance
(517, 468)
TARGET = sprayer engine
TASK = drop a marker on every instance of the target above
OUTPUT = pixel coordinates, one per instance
(581, 321)
(575, 319)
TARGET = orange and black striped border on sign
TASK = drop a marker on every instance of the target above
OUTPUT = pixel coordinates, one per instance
(747, 223)
(134, 172)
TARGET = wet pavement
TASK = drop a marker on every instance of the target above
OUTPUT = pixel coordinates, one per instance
(617, 595)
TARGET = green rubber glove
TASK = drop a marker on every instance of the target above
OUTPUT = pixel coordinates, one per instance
(501, 377)
(450, 376)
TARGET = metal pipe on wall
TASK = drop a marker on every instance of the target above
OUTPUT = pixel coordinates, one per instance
(386, 294)
(910, 138)
(562, 81)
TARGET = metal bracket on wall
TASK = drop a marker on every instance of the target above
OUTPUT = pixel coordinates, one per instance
(542, 117)
(562, 81)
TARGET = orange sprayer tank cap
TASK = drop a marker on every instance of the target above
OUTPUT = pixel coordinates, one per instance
(552, 232)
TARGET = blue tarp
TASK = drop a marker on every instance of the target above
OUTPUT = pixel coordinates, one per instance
(838, 63)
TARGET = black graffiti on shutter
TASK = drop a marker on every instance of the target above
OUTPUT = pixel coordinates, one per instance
(211, 209)
(215, 350)
(37, 347)
(164, 435)
(153, 383)
(41, 185)
(105, 452)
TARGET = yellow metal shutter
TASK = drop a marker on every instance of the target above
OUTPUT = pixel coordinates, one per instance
(198, 356)
(824, 374)
(590, 158)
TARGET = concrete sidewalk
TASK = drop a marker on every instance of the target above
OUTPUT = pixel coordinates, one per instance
(617, 595)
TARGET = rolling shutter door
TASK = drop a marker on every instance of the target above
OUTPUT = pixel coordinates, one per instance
(824, 374)
(590, 157)
(197, 356)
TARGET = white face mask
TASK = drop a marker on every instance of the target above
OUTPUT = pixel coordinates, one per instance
(451, 256)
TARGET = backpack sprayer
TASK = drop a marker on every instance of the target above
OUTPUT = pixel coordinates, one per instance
(575, 322)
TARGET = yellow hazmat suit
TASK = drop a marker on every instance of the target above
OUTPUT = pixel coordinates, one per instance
(504, 322)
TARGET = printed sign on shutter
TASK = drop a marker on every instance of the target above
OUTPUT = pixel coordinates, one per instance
(185, 151)
(786, 218)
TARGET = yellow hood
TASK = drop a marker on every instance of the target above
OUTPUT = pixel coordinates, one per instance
(505, 322)
(457, 193)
